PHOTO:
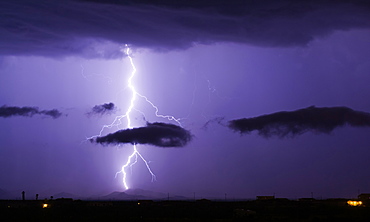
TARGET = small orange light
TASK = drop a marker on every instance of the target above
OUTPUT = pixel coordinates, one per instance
(354, 203)
(45, 205)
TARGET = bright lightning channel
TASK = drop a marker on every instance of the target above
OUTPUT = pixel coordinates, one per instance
(133, 158)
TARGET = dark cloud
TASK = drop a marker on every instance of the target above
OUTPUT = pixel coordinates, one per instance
(9, 111)
(157, 134)
(98, 28)
(106, 108)
(318, 120)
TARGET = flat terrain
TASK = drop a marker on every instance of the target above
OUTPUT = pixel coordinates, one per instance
(201, 210)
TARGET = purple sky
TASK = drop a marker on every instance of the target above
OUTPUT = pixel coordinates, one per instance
(196, 62)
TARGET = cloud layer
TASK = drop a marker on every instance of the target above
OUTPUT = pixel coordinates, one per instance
(106, 108)
(157, 134)
(311, 119)
(9, 111)
(97, 29)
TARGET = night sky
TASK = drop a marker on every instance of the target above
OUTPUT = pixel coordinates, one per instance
(272, 97)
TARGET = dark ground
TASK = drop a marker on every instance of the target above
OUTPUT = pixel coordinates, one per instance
(201, 210)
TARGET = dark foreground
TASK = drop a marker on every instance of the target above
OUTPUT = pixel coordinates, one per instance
(203, 210)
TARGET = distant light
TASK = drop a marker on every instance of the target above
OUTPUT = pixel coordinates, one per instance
(354, 203)
(45, 206)
(138, 203)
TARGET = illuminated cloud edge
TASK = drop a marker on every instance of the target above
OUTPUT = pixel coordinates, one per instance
(293, 123)
(156, 134)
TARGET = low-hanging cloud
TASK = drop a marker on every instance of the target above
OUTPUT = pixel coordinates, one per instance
(103, 109)
(293, 123)
(156, 134)
(97, 28)
(9, 111)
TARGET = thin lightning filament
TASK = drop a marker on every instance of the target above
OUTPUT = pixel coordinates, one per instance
(133, 157)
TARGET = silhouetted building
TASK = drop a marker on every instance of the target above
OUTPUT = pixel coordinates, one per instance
(364, 197)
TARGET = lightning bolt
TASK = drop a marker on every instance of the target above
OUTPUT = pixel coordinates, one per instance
(133, 158)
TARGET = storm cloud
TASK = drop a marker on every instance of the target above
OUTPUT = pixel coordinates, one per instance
(97, 29)
(9, 111)
(293, 123)
(106, 108)
(157, 134)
